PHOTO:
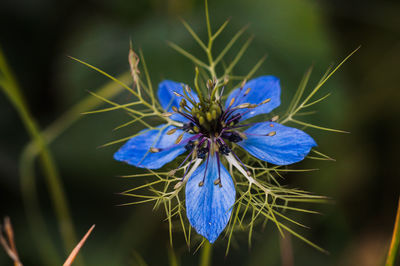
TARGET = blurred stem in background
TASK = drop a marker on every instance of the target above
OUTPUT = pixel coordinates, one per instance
(38, 146)
(394, 245)
(13, 92)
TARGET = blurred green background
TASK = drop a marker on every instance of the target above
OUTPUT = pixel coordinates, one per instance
(37, 36)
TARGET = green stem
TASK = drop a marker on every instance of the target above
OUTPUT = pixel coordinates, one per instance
(394, 245)
(28, 187)
(205, 259)
(13, 92)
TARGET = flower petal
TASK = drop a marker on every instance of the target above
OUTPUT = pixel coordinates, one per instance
(168, 99)
(137, 150)
(288, 145)
(209, 207)
(261, 89)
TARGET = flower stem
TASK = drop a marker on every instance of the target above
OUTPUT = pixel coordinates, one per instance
(205, 259)
(394, 245)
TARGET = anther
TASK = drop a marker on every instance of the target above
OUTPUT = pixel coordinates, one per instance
(231, 102)
(247, 92)
(175, 108)
(179, 139)
(154, 150)
(242, 135)
(177, 94)
(167, 114)
(217, 181)
(188, 89)
(183, 103)
(171, 131)
(201, 183)
(266, 101)
(196, 129)
(271, 125)
(172, 172)
(275, 118)
(272, 133)
(243, 105)
(243, 83)
(178, 185)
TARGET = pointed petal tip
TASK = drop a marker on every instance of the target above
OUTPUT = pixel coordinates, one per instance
(209, 207)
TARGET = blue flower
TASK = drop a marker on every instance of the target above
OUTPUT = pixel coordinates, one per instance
(205, 129)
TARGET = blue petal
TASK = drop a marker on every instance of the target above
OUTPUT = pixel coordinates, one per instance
(209, 207)
(136, 150)
(262, 88)
(289, 145)
(168, 99)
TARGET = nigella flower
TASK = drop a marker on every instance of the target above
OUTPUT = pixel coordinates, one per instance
(206, 129)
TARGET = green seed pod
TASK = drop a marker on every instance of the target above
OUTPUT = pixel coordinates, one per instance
(214, 114)
(202, 121)
(209, 117)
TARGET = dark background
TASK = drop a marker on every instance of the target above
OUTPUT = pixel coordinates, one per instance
(36, 36)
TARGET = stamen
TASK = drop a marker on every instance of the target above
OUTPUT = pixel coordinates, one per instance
(171, 131)
(231, 102)
(177, 94)
(242, 135)
(233, 160)
(179, 139)
(166, 114)
(266, 101)
(188, 89)
(272, 133)
(247, 92)
(219, 172)
(242, 106)
(205, 171)
(172, 172)
(154, 150)
(275, 118)
(185, 179)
